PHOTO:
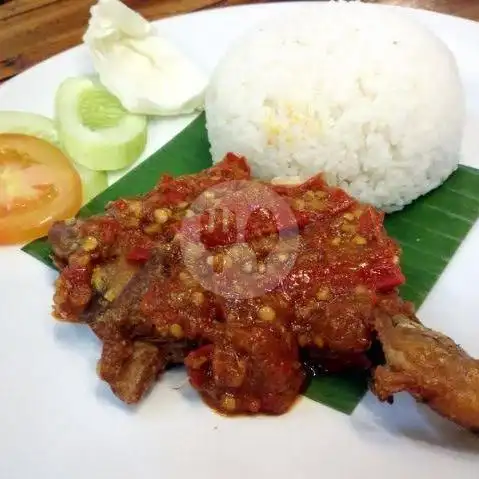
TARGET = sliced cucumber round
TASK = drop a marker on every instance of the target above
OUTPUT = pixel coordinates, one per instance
(93, 182)
(95, 130)
(29, 124)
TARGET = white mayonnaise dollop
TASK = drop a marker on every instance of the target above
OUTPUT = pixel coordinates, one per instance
(147, 73)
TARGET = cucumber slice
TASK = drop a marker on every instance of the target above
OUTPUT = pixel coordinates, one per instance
(93, 182)
(95, 130)
(29, 124)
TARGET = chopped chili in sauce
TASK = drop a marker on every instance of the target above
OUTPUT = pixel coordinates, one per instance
(249, 280)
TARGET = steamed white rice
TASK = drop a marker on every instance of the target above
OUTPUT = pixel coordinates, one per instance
(364, 94)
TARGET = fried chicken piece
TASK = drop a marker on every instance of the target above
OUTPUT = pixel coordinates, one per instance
(120, 319)
(161, 303)
(161, 307)
(129, 230)
(429, 366)
(233, 288)
(334, 283)
(130, 368)
(318, 304)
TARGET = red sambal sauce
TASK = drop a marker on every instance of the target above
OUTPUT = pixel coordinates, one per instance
(248, 361)
(344, 260)
(247, 370)
(131, 228)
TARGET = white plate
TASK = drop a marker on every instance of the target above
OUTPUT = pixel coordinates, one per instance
(58, 420)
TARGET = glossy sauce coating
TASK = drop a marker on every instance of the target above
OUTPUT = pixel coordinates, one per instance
(242, 279)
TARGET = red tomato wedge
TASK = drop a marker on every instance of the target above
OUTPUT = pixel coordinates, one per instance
(38, 185)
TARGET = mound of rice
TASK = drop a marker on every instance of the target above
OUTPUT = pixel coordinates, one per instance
(364, 94)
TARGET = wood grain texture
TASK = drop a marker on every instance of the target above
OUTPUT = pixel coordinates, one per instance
(32, 30)
(461, 8)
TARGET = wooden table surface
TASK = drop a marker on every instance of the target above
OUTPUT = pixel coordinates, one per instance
(32, 30)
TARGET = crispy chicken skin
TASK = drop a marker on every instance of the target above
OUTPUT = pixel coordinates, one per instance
(429, 366)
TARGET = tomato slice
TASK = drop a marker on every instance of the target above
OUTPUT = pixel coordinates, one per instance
(38, 185)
